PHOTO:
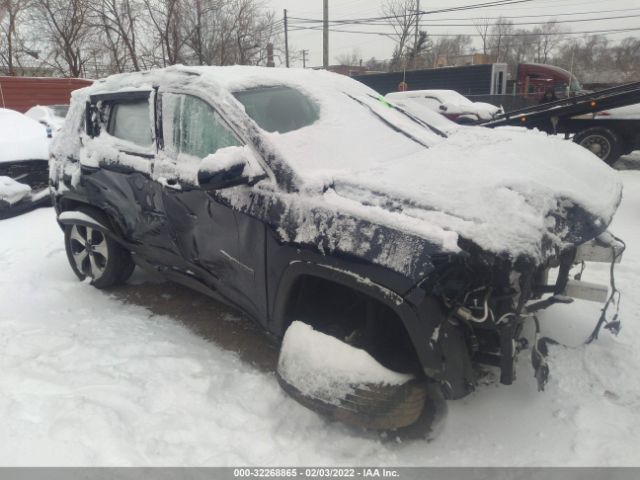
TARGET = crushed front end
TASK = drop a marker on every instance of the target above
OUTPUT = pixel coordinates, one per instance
(486, 299)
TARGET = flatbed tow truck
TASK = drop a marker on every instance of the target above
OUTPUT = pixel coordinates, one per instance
(584, 119)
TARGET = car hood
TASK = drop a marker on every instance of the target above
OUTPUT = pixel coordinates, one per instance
(510, 191)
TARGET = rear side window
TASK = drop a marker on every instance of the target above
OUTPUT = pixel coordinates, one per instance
(131, 121)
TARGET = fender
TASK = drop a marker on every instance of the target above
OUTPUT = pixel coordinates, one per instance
(419, 329)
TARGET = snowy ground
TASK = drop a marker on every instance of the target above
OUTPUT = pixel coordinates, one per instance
(87, 378)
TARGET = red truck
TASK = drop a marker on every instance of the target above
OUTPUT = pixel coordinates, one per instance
(532, 80)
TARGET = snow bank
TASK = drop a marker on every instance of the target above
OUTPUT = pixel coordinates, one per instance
(21, 138)
(322, 367)
(12, 191)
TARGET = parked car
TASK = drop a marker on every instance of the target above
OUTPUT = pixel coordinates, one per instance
(51, 116)
(24, 167)
(451, 104)
(390, 255)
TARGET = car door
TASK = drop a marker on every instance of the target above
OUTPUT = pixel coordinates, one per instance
(117, 162)
(222, 244)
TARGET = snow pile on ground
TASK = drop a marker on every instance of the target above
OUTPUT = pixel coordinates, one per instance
(323, 367)
(88, 380)
(11, 191)
(21, 138)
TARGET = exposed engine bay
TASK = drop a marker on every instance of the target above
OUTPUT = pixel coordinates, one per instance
(491, 299)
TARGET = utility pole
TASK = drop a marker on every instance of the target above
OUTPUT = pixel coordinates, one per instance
(286, 39)
(417, 34)
(304, 58)
(325, 34)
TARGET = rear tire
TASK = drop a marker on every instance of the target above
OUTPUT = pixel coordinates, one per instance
(602, 142)
(93, 254)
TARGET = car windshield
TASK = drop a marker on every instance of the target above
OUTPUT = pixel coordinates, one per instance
(278, 109)
(575, 85)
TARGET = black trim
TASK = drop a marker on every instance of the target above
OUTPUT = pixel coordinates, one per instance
(121, 96)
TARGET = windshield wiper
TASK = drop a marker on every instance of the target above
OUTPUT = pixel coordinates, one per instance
(419, 121)
(387, 122)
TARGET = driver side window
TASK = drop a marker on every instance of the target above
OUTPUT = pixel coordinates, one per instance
(192, 127)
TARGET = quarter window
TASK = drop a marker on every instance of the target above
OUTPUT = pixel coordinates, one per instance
(131, 121)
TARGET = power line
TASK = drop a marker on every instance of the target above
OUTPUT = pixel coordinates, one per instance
(578, 20)
(524, 34)
(550, 18)
(495, 3)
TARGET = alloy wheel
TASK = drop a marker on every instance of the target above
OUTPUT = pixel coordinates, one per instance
(89, 250)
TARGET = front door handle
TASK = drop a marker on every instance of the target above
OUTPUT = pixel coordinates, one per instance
(173, 183)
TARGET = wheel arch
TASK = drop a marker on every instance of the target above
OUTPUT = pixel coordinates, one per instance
(404, 315)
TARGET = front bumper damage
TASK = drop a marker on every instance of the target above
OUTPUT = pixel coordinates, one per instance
(490, 311)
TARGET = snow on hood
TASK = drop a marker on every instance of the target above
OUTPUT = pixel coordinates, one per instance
(494, 187)
(21, 138)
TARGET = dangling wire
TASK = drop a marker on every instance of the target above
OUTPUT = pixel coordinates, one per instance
(614, 325)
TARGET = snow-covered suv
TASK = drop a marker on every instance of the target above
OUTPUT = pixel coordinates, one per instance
(393, 256)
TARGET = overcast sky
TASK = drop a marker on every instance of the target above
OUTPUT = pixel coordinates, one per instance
(381, 47)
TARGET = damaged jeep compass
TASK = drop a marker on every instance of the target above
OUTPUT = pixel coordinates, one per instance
(393, 256)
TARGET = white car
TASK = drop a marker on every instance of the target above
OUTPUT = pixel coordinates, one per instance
(51, 116)
(24, 170)
(451, 104)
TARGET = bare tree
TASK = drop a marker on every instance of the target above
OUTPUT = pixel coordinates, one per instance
(63, 24)
(350, 59)
(547, 38)
(166, 22)
(10, 15)
(482, 26)
(401, 16)
(118, 19)
(627, 58)
(501, 39)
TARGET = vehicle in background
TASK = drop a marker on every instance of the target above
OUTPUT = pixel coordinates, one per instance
(630, 112)
(390, 255)
(488, 83)
(51, 116)
(451, 104)
(606, 122)
(24, 166)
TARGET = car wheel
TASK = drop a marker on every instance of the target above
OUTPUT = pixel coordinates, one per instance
(413, 409)
(94, 255)
(602, 142)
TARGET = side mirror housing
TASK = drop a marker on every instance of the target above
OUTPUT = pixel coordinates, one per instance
(218, 172)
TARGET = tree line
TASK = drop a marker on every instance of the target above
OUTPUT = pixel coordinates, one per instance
(592, 57)
(94, 38)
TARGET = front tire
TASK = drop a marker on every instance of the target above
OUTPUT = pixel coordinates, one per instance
(93, 254)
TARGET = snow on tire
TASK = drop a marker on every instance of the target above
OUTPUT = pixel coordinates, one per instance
(347, 384)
